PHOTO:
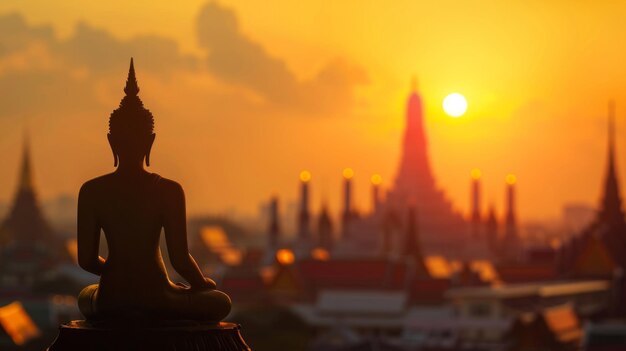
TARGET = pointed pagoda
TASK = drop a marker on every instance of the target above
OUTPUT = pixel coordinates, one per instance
(610, 226)
(274, 225)
(491, 229)
(611, 212)
(25, 223)
(601, 248)
(442, 227)
(325, 229)
(29, 249)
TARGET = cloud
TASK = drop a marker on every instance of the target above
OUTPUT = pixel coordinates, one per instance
(91, 48)
(16, 34)
(101, 52)
(235, 58)
(43, 76)
(41, 73)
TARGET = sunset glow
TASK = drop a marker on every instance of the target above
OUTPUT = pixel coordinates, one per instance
(286, 115)
(455, 105)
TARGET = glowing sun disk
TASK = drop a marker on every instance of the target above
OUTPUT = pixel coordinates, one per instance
(455, 105)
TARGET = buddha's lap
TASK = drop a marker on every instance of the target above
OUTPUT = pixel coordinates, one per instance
(180, 303)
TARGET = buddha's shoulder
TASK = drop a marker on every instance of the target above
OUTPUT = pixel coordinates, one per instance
(105, 182)
(93, 185)
(167, 185)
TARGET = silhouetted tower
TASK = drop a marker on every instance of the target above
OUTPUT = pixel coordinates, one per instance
(348, 212)
(414, 172)
(611, 215)
(274, 225)
(511, 240)
(304, 216)
(325, 229)
(608, 227)
(491, 229)
(415, 185)
(511, 218)
(25, 223)
(611, 212)
(376, 180)
(29, 248)
(475, 204)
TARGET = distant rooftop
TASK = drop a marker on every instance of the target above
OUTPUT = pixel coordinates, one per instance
(546, 289)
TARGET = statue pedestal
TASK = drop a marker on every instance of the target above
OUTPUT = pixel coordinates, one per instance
(153, 336)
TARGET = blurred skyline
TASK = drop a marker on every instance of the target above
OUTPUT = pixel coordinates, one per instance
(277, 89)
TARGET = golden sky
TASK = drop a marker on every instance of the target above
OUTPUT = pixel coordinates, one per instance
(246, 94)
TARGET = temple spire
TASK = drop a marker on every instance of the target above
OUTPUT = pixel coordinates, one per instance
(26, 174)
(611, 199)
(325, 229)
(131, 88)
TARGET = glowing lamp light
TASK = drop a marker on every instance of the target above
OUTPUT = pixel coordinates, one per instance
(348, 173)
(510, 179)
(320, 254)
(476, 173)
(376, 179)
(305, 176)
(285, 257)
(455, 105)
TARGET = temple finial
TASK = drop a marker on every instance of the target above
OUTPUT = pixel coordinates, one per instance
(414, 83)
(131, 89)
(611, 124)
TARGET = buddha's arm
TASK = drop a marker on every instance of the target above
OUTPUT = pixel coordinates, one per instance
(175, 226)
(88, 234)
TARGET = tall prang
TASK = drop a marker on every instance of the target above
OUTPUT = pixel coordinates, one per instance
(611, 211)
(601, 247)
(414, 174)
(611, 215)
(440, 225)
(28, 247)
(25, 222)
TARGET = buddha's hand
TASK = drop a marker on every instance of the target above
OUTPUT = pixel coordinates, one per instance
(208, 284)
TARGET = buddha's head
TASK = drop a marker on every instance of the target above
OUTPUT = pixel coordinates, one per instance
(131, 126)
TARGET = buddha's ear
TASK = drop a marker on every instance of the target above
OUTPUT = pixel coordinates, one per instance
(115, 157)
(150, 142)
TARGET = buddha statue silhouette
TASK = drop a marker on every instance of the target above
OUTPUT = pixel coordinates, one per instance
(131, 206)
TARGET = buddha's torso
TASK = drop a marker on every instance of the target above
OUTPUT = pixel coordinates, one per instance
(130, 212)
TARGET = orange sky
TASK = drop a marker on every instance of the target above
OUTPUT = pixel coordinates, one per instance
(537, 78)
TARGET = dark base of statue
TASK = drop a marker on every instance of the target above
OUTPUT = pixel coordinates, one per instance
(160, 336)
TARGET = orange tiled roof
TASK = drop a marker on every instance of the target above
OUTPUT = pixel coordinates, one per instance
(17, 323)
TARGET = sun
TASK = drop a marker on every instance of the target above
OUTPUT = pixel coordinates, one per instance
(455, 105)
